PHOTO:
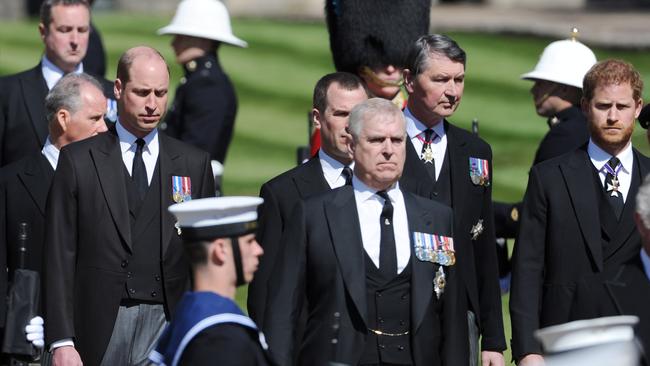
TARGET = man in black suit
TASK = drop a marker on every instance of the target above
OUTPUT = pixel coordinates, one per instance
(75, 108)
(577, 217)
(116, 267)
(375, 265)
(334, 96)
(624, 290)
(23, 125)
(457, 168)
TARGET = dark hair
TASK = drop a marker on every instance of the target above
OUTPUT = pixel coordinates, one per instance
(345, 80)
(197, 252)
(127, 58)
(439, 44)
(47, 5)
(66, 94)
(611, 72)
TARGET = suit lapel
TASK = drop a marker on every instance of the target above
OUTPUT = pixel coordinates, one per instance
(422, 276)
(578, 175)
(34, 90)
(170, 164)
(311, 181)
(110, 167)
(343, 221)
(458, 169)
(37, 177)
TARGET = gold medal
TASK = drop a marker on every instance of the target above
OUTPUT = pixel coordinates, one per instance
(452, 258)
(177, 197)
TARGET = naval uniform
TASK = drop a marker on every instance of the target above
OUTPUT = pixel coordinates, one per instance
(204, 109)
(209, 329)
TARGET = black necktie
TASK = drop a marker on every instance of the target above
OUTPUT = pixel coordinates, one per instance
(427, 159)
(139, 171)
(347, 174)
(387, 251)
(611, 187)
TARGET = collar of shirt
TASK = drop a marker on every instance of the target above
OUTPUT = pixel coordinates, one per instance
(369, 207)
(332, 169)
(645, 259)
(415, 129)
(600, 157)
(51, 153)
(149, 152)
(53, 74)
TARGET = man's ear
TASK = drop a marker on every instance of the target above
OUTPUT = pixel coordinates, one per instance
(316, 118)
(408, 80)
(217, 251)
(117, 88)
(63, 118)
(584, 105)
(42, 30)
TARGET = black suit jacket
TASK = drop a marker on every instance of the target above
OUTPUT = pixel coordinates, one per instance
(619, 291)
(23, 124)
(90, 238)
(560, 243)
(23, 193)
(280, 195)
(470, 203)
(204, 109)
(323, 262)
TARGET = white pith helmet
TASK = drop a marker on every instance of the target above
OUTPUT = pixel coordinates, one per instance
(565, 62)
(205, 19)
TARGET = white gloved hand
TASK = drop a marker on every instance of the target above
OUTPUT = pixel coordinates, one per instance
(35, 332)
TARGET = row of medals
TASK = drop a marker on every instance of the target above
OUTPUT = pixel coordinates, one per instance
(178, 197)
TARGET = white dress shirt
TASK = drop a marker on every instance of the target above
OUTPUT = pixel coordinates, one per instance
(415, 129)
(50, 152)
(53, 74)
(369, 207)
(599, 158)
(128, 146)
(332, 169)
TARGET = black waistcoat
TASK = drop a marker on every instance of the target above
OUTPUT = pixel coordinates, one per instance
(144, 275)
(442, 187)
(389, 310)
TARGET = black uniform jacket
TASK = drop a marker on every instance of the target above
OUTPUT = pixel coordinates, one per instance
(322, 261)
(204, 109)
(560, 243)
(23, 124)
(90, 238)
(23, 194)
(618, 291)
(471, 204)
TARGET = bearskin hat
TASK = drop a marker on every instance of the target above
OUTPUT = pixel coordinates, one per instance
(374, 32)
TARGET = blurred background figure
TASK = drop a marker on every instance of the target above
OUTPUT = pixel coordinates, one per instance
(95, 60)
(556, 91)
(205, 106)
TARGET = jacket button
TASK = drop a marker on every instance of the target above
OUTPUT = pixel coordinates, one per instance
(157, 278)
(124, 263)
(129, 275)
(381, 346)
(132, 291)
(402, 322)
(435, 194)
(378, 294)
(403, 297)
(334, 341)
(153, 294)
(400, 348)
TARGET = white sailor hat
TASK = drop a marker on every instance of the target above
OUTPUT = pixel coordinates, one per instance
(205, 19)
(220, 217)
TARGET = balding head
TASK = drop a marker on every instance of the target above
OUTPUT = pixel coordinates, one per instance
(127, 58)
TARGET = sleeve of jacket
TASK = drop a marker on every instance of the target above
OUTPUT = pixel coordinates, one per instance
(286, 289)
(528, 270)
(61, 251)
(208, 188)
(491, 317)
(209, 115)
(268, 235)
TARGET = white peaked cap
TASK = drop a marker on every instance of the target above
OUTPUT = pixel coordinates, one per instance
(205, 19)
(587, 333)
(565, 62)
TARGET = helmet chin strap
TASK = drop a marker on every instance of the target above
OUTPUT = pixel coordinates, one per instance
(239, 268)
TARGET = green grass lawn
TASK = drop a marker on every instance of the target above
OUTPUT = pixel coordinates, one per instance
(274, 78)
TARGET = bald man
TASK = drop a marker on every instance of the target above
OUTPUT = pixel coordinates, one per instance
(115, 266)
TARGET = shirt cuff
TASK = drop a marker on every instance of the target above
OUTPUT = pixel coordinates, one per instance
(61, 343)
